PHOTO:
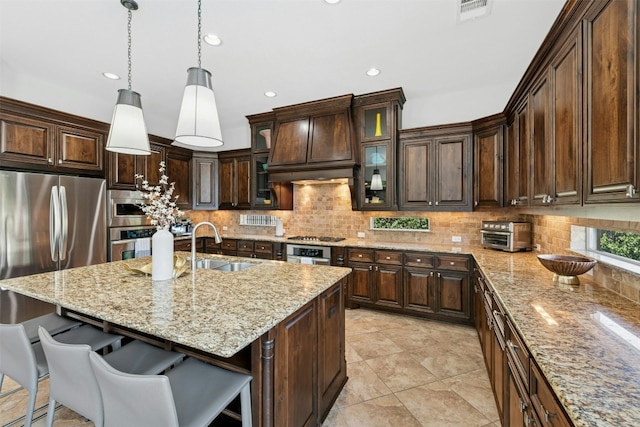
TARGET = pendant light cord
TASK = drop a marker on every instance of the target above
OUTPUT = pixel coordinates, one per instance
(129, 48)
(199, 33)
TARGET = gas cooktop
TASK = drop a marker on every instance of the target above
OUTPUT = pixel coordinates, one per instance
(317, 238)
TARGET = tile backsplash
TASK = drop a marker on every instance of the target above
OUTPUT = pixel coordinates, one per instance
(325, 210)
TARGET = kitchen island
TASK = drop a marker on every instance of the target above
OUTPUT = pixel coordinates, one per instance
(282, 323)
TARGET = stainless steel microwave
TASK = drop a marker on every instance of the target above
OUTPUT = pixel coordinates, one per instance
(506, 236)
(124, 208)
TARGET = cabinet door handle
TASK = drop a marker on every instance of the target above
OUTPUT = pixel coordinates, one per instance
(377, 268)
(547, 415)
(50, 160)
(512, 345)
(497, 313)
(429, 203)
(439, 275)
(436, 203)
(431, 274)
(59, 161)
(370, 267)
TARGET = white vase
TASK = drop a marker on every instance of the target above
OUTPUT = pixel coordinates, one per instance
(162, 255)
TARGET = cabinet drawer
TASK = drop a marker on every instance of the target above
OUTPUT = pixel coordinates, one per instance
(245, 246)
(263, 247)
(385, 257)
(182, 245)
(230, 245)
(545, 402)
(361, 255)
(417, 259)
(518, 353)
(454, 262)
(210, 245)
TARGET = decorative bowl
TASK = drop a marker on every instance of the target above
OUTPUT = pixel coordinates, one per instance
(180, 265)
(566, 268)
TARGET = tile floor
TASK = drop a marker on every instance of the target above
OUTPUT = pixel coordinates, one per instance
(403, 372)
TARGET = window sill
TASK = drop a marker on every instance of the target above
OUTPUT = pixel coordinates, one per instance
(610, 261)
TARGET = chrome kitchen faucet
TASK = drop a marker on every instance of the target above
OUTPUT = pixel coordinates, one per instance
(218, 239)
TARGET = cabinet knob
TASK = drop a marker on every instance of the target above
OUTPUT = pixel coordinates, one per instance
(359, 255)
(388, 257)
(50, 160)
(475, 203)
(429, 203)
(370, 267)
(436, 203)
(418, 260)
(452, 263)
(59, 161)
(439, 275)
(431, 274)
(631, 191)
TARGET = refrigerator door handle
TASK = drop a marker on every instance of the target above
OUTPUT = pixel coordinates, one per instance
(54, 223)
(64, 223)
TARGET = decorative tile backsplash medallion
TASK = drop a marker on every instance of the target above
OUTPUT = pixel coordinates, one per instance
(400, 223)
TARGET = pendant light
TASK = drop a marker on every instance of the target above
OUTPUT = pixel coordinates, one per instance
(198, 124)
(128, 132)
(376, 178)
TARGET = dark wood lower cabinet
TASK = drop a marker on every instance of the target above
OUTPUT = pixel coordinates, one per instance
(418, 290)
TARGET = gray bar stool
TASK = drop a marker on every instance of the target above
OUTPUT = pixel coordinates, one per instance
(73, 383)
(52, 322)
(26, 363)
(191, 395)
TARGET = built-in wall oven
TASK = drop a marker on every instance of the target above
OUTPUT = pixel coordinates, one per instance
(129, 228)
(509, 236)
(307, 253)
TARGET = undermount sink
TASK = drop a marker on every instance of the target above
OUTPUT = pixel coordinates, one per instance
(214, 264)
(235, 266)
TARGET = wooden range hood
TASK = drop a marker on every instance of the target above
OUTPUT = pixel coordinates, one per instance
(314, 141)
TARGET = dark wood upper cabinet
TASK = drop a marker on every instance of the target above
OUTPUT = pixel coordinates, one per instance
(235, 179)
(435, 168)
(566, 113)
(179, 171)
(612, 161)
(40, 139)
(511, 163)
(540, 142)
(524, 153)
(378, 118)
(488, 141)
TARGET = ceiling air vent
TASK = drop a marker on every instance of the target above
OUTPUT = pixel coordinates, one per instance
(470, 9)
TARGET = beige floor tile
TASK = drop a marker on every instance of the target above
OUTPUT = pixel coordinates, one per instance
(363, 385)
(436, 405)
(410, 338)
(400, 371)
(350, 354)
(386, 411)
(372, 345)
(335, 418)
(475, 388)
(447, 363)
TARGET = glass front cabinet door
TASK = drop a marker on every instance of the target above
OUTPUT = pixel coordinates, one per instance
(378, 118)
(377, 176)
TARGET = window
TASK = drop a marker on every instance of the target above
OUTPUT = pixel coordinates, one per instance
(625, 245)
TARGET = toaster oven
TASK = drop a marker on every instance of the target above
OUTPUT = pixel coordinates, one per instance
(509, 236)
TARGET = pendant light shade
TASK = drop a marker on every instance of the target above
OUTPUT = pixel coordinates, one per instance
(376, 180)
(198, 124)
(128, 132)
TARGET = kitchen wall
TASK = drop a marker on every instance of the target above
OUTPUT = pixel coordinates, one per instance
(325, 210)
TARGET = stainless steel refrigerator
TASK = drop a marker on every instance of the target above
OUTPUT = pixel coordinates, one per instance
(48, 223)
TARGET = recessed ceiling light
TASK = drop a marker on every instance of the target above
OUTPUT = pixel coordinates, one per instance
(212, 40)
(372, 72)
(270, 94)
(111, 76)
(332, 1)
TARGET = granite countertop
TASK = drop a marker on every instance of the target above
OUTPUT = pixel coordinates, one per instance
(214, 311)
(594, 371)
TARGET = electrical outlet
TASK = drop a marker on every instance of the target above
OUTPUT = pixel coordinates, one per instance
(225, 228)
(537, 247)
(361, 234)
(456, 239)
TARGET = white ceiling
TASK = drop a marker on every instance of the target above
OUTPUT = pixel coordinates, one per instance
(52, 53)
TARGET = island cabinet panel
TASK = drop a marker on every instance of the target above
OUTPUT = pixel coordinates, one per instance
(332, 366)
(295, 374)
(612, 146)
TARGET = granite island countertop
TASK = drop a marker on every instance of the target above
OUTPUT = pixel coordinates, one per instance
(590, 355)
(214, 311)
